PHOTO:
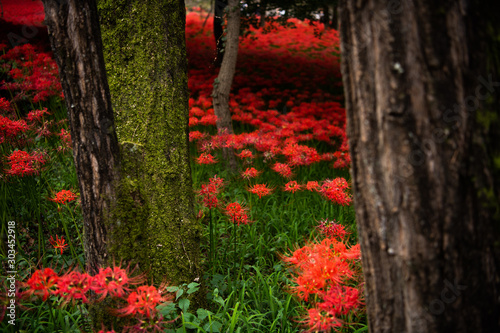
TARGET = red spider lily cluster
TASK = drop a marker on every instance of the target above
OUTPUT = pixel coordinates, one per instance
(23, 12)
(10, 129)
(23, 163)
(34, 74)
(324, 274)
(236, 212)
(140, 302)
(283, 119)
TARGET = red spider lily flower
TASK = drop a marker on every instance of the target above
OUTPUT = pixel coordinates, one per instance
(332, 229)
(343, 160)
(353, 253)
(44, 129)
(42, 283)
(23, 164)
(36, 115)
(143, 301)
(113, 281)
(58, 243)
(196, 135)
(307, 286)
(335, 191)
(64, 196)
(283, 169)
(65, 137)
(209, 119)
(245, 153)
(260, 189)
(340, 300)
(292, 186)
(250, 173)
(318, 321)
(217, 182)
(312, 185)
(209, 192)
(193, 121)
(74, 286)
(196, 111)
(5, 105)
(237, 213)
(206, 158)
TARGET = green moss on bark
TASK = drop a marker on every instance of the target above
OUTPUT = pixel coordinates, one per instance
(145, 55)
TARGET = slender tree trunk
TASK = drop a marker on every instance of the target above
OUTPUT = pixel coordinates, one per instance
(326, 16)
(426, 188)
(263, 13)
(220, 5)
(223, 83)
(75, 37)
(334, 23)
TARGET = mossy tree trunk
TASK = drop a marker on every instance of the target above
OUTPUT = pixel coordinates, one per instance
(146, 64)
(74, 33)
(224, 81)
(425, 183)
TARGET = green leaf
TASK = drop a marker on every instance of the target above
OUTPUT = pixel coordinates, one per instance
(203, 313)
(214, 326)
(166, 309)
(184, 304)
(190, 321)
(193, 287)
(179, 294)
(172, 289)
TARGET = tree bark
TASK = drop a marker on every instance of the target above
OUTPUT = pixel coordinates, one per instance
(75, 37)
(145, 54)
(220, 6)
(263, 13)
(425, 185)
(326, 16)
(224, 81)
(334, 23)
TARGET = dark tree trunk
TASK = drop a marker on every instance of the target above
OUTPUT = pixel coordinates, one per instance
(263, 13)
(425, 185)
(334, 23)
(223, 83)
(326, 16)
(220, 5)
(75, 37)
